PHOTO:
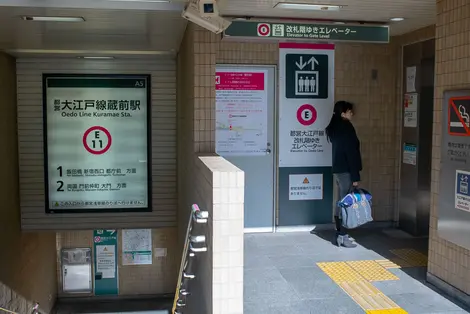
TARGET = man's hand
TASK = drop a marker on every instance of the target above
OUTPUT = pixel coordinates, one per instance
(355, 184)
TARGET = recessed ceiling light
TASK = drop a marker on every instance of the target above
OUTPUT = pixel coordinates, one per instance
(338, 22)
(54, 18)
(307, 6)
(96, 57)
(397, 19)
(150, 1)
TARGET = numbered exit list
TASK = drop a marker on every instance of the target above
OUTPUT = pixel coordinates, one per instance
(97, 147)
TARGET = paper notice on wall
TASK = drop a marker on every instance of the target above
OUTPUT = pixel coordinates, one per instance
(409, 154)
(137, 247)
(410, 112)
(241, 113)
(106, 260)
(411, 79)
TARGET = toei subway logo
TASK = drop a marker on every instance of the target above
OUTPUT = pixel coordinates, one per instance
(97, 140)
(264, 29)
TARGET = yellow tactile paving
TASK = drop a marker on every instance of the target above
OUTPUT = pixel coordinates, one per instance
(340, 272)
(387, 311)
(354, 278)
(367, 296)
(372, 271)
(392, 263)
(412, 257)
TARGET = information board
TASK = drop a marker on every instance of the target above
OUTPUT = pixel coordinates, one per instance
(137, 247)
(96, 140)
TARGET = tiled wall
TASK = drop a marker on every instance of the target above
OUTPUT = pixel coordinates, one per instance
(218, 189)
(27, 263)
(196, 109)
(155, 279)
(376, 102)
(447, 261)
(209, 181)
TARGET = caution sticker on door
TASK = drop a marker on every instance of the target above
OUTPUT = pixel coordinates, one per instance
(303, 187)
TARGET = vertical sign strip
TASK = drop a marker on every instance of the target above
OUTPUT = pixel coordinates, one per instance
(105, 262)
(306, 101)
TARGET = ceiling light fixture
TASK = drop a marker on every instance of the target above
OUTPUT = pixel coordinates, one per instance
(96, 57)
(339, 23)
(54, 18)
(307, 6)
(397, 19)
(149, 1)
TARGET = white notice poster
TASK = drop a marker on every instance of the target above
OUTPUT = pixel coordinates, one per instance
(97, 142)
(303, 187)
(105, 260)
(137, 247)
(410, 112)
(306, 99)
(411, 79)
(241, 113)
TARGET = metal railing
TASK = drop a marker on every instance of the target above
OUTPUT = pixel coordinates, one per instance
(34, 310)
(193, 245)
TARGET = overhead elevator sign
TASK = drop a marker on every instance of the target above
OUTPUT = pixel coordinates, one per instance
(304, 31)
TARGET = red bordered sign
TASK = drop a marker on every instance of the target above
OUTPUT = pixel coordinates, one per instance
(458, 120)
(264, 29)
(306, 114)
(97, 147)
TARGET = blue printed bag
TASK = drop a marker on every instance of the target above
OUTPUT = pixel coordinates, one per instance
(356, 208)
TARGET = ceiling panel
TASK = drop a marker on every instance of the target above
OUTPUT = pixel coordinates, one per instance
(417, 13)
(138, 31)
(103, 30)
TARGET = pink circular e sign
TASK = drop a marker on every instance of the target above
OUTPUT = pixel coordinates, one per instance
(306, 114)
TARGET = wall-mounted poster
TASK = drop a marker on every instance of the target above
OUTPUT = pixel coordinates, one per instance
(137, 247)
(241, 113)
(96, 142)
